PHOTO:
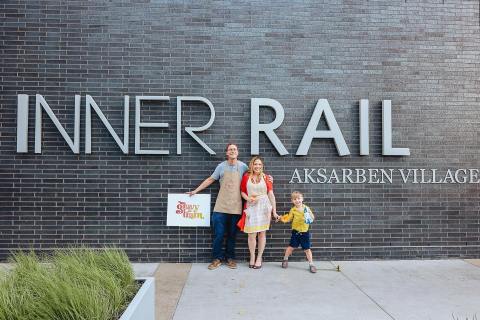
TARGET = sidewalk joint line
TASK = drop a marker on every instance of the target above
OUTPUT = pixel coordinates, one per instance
(181, 292)
(472, 264)
(366, 294)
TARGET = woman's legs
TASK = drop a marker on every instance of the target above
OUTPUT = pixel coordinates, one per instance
(262, 240)
(252, 243)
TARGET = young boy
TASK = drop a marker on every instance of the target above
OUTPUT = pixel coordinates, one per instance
(302, 217)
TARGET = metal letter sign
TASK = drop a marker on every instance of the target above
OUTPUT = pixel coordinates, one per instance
(139, 124)
(321, 108)
(191, 130)
(311, 132)
(41, 103)
(387, 149)
(268, 128)
(89, 103)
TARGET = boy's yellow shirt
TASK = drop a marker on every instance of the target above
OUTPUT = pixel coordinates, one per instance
(298, 219)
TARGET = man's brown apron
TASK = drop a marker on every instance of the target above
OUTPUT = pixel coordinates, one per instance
(229, 198)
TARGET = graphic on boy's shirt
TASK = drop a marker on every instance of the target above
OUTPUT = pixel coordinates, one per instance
(307, 215)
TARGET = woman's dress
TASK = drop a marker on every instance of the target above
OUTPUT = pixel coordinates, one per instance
(258, 213)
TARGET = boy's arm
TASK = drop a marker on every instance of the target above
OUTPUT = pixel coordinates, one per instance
(287, 217)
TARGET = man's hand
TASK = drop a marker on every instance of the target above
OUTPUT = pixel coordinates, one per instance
(191, 193)
(270, 178)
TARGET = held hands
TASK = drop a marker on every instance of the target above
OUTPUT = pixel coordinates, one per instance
(275, 217)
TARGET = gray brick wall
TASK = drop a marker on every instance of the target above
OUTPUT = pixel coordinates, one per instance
(423, 55)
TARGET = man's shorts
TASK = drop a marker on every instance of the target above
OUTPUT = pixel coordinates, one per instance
(300, 239)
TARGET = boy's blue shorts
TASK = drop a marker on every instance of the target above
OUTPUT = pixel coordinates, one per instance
(300, 239)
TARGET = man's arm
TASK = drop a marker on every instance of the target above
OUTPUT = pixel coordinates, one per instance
(207, 182)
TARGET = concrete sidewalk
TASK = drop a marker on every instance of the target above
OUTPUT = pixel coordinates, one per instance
(413, 289)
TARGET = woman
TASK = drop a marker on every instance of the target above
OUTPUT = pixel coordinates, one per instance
(260, 205)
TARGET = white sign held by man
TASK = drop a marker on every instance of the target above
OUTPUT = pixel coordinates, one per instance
(188, 211)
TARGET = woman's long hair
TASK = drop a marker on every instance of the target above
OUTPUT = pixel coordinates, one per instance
(250, 166)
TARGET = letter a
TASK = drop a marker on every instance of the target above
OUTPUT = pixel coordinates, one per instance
(312, 132)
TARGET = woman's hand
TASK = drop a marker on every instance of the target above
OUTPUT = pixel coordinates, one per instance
(252, 199)
(276, 217)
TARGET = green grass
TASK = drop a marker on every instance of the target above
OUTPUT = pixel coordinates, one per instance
(71, 284)
(457, 318)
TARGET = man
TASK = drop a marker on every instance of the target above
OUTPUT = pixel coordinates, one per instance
(228, 207)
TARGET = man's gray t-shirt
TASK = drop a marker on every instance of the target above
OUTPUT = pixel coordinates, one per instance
(225, 166)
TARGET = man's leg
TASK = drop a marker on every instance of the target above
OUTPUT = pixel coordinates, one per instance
(231, 235)
(218, 224)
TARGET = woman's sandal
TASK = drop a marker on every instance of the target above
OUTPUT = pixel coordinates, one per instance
(251, 266)
(257, 267)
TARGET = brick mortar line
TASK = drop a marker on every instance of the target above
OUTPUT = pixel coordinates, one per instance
(282, 247)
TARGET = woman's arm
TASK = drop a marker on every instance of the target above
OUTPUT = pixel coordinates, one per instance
(244, 191)
(271, 197)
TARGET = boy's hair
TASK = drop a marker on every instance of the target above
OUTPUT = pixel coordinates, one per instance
(296, 194)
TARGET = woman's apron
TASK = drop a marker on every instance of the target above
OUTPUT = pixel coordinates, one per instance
(229, 199)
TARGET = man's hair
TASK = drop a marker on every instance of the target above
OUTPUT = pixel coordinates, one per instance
(296, 194)
(230, 144)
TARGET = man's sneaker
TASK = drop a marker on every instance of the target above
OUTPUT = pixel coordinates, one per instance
(215, 264)
(313, 269)
(285, 264)
(231, 264)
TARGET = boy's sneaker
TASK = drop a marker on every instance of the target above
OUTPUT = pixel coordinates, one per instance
(215, 264)
(313, 269)
(285, 264)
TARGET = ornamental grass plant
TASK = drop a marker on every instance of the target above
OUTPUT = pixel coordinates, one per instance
(71, 284)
